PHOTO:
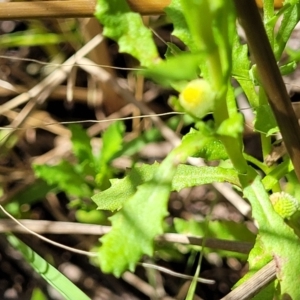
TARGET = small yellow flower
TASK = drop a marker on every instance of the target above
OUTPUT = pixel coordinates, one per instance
(197, 98)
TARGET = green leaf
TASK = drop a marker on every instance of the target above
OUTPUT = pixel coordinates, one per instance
(65, 177)
(172, 50)
(201, 28)
(212, 148)
(233, 126)
(170, 70)
(291, 16)
(135, 226)
(81, 143)
(127, 29)
(265, 121)
(112, 141)
(37, 294)
(240, 71)
(185, 176)
(37, 191)
(61, 283)
(225, 230)
(181, 30)
(275, 240)
(21, 39)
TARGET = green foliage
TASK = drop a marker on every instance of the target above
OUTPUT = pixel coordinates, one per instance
(168, 72)
(265, 121)
(202, 74)
(127, 28)
(225, 230)
(185, 176)
(181, 30)
(216, 54)
(112, 143)
(65, 177)
(132, 234)
(61, 283)
(37, 294)
(275, 240)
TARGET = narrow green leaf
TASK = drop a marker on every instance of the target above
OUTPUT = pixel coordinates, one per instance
(291, 17)
(61, 283)
(127, 29)
(30, 39)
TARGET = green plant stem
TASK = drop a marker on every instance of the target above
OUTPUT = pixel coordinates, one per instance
(271, 78)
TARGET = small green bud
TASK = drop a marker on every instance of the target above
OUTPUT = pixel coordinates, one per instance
(284, 204)
(198, 98)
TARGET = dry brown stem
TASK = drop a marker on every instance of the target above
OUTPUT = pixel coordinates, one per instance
(66, 9)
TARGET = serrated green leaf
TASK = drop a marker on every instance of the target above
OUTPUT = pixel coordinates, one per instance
(127, 29)
(65, 177)
(185, 176)
(55, 278)
(135, 226)
(275, 240)
(265, 121)
(181, 30)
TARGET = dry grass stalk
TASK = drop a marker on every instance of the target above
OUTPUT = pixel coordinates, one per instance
(77, 9)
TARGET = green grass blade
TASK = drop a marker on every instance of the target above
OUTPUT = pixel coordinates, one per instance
(55, 278)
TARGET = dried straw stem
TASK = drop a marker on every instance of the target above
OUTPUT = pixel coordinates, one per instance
(70, 9)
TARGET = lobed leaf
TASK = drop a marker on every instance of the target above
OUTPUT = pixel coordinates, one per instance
(127, 29)
(135, 226)
(185, 176)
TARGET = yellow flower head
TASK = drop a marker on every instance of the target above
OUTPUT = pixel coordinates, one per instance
(197, 98)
